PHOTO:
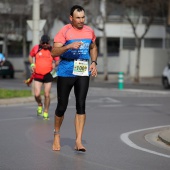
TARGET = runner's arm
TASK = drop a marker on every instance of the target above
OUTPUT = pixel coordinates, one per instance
(56, 61)
(30, 59)
(58, 48)
(93, 54)
(2, 62)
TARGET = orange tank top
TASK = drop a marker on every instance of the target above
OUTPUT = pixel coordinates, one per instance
(43, 62)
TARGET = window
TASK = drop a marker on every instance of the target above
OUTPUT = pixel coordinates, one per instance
(113, 45)
(153, 43)
(15, 49)
(167, 43)
(129, 43)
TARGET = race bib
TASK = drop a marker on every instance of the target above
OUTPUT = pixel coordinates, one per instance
(80, 68)
(53, 73)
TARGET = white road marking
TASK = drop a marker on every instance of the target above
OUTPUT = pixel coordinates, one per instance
(104, 100)
(125, 138)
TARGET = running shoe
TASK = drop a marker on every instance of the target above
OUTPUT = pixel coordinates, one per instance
(39, 110)
(45, 115)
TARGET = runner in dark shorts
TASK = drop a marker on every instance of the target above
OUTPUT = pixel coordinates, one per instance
(46, 78)
(42, 64)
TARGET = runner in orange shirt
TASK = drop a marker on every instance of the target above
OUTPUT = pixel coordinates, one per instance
(42, 73)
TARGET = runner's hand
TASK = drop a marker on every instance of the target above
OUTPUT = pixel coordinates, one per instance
(93, 69)
(32, 68)
(75, 45)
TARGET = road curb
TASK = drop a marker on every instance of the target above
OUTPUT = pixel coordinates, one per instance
(20, 100)
(164, 136)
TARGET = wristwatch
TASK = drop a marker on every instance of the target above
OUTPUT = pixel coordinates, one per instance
(94, 62)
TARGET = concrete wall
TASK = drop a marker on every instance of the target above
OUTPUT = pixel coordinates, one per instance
(113, 64)
(152, 62)
(18, 63)
(125, 30)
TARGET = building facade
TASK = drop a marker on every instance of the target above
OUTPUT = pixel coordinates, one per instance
(121, 51)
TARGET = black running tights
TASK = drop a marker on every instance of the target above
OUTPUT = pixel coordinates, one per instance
(64, 86)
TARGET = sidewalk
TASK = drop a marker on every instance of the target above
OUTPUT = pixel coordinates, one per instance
(113, 78)
(112, 82)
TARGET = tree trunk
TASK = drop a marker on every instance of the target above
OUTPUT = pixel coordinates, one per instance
(4, 47)
(105, 60)
(137, 76)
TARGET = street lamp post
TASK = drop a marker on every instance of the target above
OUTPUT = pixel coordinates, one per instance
(36, 19)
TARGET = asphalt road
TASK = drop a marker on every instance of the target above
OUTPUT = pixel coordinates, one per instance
(119, 132)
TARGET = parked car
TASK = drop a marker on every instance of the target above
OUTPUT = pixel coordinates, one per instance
(7, 70)
(166, 77)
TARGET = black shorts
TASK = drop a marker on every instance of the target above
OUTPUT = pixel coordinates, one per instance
(46, 79)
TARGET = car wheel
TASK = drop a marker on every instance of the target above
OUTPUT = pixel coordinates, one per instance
(4, 76)
(165, 83)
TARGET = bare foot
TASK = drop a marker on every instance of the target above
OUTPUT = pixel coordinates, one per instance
(56, 143)
(79, 147)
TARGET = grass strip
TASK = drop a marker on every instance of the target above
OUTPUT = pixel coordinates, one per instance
(8, 93)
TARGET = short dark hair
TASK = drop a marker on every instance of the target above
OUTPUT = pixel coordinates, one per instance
(45, 39)
(76, 7)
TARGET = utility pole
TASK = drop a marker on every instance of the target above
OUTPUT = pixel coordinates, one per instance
(36, 25)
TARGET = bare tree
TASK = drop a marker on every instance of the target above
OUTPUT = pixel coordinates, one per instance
(97, 14)
(97, 18)
(134, 11)
(59, 9)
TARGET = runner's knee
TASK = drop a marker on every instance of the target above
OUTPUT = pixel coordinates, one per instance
(47, 95)
(80, 106)
(37, 96)
(60, 112)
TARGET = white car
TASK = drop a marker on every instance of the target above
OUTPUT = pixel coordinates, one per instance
(166, 77)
